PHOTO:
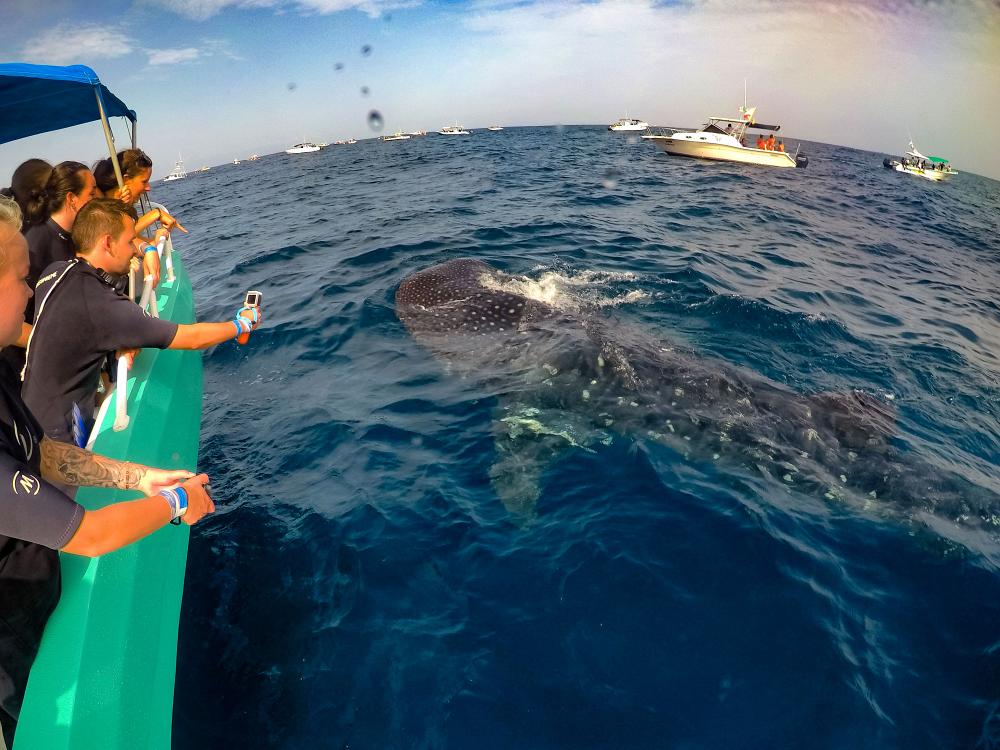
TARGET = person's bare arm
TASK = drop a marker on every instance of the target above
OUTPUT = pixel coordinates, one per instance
(202, 335)
(115, 526)
(77, 467)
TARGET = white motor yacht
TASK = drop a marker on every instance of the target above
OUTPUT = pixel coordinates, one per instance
(628, 124)
(929, 167)
(253, 157)
(302, 148)
(453, 130)
(494, 128)
(399, 135)
(236, 161)
(177, 173)
(204, 169)
(725, 139)
(418, 133)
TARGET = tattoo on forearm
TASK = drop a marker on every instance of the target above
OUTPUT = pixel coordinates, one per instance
(80, 468)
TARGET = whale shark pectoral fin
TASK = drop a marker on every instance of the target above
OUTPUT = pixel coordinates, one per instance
(516, 473)
(525, 447)
(858, 420)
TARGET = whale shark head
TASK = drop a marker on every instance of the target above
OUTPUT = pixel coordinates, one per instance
(464, 296)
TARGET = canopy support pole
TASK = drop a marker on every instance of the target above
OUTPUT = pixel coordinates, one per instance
(117, 167)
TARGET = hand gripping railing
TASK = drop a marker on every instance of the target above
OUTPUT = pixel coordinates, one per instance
(167, 254)
(148, 299)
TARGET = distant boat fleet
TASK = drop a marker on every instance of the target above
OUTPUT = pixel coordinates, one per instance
(719, 139)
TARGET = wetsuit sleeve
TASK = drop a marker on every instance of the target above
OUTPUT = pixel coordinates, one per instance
(119, 323)
(33, 510)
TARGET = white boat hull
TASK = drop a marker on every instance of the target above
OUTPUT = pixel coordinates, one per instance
(721, 152)
(629, 128)
(934, 175)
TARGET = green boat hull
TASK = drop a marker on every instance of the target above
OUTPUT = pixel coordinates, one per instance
(104, 677)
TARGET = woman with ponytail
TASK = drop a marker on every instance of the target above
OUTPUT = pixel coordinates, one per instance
(27, 186)
(69, 188)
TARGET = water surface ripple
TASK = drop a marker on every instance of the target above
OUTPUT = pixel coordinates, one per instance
(361, 585)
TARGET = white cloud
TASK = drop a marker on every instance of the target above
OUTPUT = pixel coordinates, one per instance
(172, 56)
(75, 43)
(200, 10)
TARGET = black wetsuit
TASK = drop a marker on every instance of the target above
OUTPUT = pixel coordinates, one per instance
(80, 318)
(36, 519)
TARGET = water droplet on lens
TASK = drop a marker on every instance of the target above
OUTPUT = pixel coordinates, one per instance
(365, 91)
(292, 86)
(388, 17)
(610, 179)
(375, 121)
(560, 128)
(366, 50)
(338, 66)
(632, 140)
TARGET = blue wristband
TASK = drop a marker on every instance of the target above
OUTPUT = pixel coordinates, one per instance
(177, 499)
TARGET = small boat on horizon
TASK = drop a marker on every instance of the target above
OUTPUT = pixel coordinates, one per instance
(204, 169)
(399, 135)
(253, 157)
(494, 128)
(929, 167)
(418, 133)
(628, 124)
(302, 148)
(236, 161)
(177, 173)
(453, 130)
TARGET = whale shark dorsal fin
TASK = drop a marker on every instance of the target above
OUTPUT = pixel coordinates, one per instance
(858, 419)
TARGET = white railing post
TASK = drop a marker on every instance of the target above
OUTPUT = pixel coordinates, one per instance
(121, 395)
(169, 261)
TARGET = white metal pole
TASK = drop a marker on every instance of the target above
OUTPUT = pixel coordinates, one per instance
(121, 396)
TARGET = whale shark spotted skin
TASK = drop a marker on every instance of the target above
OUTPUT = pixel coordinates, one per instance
(565, 381)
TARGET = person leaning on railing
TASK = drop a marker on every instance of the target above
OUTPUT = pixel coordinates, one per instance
(80, 319)
(36, 518)
(137, 169)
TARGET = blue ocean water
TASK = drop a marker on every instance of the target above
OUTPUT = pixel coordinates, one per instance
(362, 586)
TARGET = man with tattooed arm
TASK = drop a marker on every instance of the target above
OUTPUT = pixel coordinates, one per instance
(36, 518)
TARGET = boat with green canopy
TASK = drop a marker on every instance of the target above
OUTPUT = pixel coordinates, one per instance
(104, 675)
(929, 167)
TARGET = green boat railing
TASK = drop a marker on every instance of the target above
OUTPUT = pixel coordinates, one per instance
(104, 676)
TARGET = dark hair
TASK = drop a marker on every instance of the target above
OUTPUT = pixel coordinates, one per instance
(27, 187)
(64, 178)
(132, 161)
(99, 217)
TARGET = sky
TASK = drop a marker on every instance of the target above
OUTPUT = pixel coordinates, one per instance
(214, 80)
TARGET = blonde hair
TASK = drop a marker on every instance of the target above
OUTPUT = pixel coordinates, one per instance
(10, 224)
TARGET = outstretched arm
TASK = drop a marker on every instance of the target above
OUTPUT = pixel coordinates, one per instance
(68, 464)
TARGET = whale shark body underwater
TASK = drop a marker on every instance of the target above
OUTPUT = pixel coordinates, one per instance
(567, 380)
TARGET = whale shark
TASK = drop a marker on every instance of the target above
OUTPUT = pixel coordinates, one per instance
(569, 379)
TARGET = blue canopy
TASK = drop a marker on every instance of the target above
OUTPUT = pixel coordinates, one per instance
(41, 98)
